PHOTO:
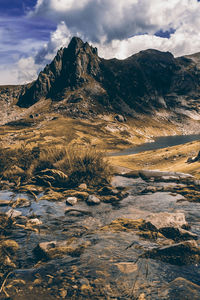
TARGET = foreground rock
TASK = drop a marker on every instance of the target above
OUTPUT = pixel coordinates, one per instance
(93, 200)
(71, 201)
(55, 249)
(165, 219)
(172, 226)
(183, 253)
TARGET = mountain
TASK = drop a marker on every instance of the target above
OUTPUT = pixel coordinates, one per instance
(79, 82)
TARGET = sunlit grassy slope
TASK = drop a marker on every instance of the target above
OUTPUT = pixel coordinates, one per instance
(103, 133)
(167, 159)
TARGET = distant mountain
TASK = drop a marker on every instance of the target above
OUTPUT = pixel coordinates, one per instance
(78, 80)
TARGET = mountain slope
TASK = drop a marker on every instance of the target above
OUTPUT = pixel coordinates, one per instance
(144, 82)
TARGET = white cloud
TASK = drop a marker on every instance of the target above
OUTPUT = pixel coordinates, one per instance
(120, 19)
(118, 28)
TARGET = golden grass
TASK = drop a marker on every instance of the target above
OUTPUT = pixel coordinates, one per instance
(167, 159)
(80, 164)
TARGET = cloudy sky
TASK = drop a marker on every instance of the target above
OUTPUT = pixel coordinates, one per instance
(31, 31)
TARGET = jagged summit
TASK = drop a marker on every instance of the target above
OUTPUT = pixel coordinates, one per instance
(68, 70)
(144, 82)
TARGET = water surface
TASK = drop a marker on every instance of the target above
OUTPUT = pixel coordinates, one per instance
(159, 143)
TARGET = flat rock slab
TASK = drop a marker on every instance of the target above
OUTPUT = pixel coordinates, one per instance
(165, 219)
(164, 176)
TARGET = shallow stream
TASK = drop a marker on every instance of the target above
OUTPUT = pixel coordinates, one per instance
(107, 265)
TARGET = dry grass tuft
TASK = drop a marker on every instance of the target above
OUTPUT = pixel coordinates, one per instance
(85, 164)
(80, 164)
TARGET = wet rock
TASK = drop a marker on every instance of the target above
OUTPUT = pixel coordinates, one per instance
(71, 201)
(83, 186)
(54, 249)
(182, 253)
(180, 288)
(178, 234)
(93, 200)
(171, 226)
(165, 219)
(130, 174)
(13, 213)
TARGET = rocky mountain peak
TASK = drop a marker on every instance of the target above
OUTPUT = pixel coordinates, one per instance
(71, 68)
(144, 82)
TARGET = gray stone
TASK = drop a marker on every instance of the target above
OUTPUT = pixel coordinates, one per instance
(71, 201)
(93, 200)
(151, 175)
(165, 219)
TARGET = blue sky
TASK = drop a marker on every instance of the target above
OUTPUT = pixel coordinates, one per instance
(31, 31)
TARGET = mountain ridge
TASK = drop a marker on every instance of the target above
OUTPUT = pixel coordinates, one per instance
(79, 83)
(144, 81)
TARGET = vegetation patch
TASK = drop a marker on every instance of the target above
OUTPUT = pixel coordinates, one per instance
(54, 166)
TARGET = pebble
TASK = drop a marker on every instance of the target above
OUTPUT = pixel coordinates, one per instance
(93, 200)
(71, 201)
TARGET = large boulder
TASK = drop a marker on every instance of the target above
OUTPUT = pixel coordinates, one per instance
(172, 226)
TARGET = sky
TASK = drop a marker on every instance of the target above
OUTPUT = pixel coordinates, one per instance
(31, 31)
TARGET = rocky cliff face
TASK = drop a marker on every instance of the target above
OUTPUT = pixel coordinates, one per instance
(69, 70)
(145, 82)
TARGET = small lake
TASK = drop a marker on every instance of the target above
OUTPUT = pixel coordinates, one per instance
(159, 143)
